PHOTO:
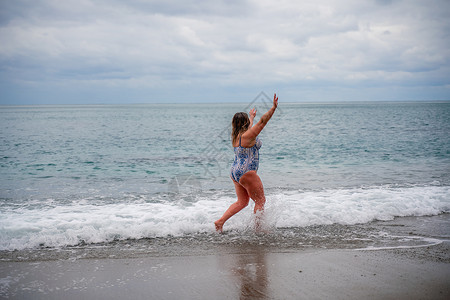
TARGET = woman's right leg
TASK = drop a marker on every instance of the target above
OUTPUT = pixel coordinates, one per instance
(253, 184)
(243, 199)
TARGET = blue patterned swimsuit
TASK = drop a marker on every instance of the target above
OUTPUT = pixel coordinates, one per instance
(245, 159)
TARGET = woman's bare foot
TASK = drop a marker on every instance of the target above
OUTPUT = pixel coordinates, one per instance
(219, 226)
(259, 222)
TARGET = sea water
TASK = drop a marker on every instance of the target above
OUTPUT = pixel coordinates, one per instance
(144, 175)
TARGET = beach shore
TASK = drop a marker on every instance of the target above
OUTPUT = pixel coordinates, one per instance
(413, 273)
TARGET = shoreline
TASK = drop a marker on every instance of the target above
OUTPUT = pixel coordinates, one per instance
(401, 232)
(398, 261)
(415, 273)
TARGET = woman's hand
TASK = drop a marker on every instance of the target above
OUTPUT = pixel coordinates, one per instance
(252, 113)
(254, 131)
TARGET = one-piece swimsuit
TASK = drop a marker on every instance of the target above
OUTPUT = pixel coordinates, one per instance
(245, 159)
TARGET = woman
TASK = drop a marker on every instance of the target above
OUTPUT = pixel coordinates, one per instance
(244, 137)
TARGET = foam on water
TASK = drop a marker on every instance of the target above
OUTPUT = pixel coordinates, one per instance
(83, 222)
(423, 242)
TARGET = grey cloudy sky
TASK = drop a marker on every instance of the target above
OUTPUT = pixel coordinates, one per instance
(99, 51)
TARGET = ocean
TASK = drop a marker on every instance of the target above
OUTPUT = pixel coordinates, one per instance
(126, 180)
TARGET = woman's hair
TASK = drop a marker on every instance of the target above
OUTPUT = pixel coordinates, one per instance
(239, 124)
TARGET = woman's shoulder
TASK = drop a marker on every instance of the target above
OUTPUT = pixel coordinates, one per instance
(249, 142)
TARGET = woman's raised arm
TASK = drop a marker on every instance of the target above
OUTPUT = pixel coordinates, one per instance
(254, 131)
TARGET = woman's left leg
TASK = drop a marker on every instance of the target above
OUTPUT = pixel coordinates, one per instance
(242, 201)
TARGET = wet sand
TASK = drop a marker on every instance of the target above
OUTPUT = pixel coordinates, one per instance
(415, 273)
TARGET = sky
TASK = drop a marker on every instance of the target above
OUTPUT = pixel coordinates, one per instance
(186, 51)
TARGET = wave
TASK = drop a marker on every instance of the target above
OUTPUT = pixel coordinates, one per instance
(75, 223)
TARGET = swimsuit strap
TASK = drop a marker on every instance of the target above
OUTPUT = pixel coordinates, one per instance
(240, 141)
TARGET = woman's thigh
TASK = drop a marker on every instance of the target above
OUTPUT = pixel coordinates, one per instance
(253, 185)
(241, 193)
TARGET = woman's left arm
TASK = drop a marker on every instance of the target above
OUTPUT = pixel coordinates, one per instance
(252, 115)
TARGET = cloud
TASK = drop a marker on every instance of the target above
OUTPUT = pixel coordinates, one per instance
(144, 51)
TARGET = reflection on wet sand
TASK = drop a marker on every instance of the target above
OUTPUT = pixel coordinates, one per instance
(250, 272)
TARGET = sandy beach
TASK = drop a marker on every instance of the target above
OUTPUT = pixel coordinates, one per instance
(414, 273)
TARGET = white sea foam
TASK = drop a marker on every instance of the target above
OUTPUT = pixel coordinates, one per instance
(56, 226)
(423, 242)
